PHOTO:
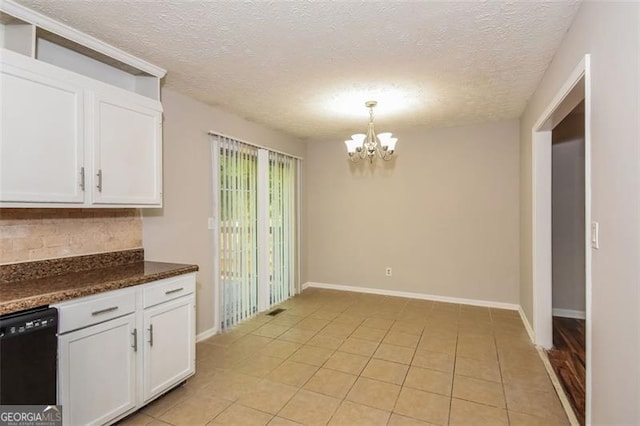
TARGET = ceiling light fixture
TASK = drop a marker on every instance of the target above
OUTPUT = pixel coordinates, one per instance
(368, 145)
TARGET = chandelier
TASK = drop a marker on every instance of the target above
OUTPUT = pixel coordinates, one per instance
(370, 145)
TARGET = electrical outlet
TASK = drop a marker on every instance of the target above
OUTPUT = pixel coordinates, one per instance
(388, 271)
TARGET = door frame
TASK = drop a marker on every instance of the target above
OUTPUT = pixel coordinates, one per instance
(555, 111)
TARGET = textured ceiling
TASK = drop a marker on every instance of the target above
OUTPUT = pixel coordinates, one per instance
(307, 68)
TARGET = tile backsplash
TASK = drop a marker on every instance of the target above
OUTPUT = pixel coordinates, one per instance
(36, 234)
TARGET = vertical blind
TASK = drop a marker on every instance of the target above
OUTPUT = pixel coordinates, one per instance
(282, 235)
(256, 196)
(238, 250)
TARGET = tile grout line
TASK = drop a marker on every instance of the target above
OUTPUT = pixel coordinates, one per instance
(374, 352)
(455, 361)
(284, 360)
(405, 376)
(354, 382)
(288, 358)
(370, 358)
(504, 392)
(407, 373)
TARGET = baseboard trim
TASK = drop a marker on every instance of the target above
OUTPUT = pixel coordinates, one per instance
(411, 295)
(562, 395)
(304, 286)
(569, 313)
(206, 334)
(527, 325)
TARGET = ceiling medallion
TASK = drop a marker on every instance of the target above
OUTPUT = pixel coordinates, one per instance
(370, 145)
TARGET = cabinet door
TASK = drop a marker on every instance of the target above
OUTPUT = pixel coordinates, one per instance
(97, 372)
(127, 143)
(41, 147)
(169, 350)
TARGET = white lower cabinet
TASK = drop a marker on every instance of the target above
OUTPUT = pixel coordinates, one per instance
(121, 349)
(98, 377)
(169, 351)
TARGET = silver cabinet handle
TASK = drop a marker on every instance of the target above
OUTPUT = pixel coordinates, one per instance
(151, 334)
(135, 339)
(175, 290)
(99, 186)
(82, 178)
(104, 311)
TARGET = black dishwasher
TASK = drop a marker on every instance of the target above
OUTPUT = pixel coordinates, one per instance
(28, 357)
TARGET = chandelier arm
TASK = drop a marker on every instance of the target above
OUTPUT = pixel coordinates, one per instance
(355, 158)
(386, 155)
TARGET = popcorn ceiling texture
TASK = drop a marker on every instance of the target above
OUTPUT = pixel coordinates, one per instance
(286, 64)
(37, 234)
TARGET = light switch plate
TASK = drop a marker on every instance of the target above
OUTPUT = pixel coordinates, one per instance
(211, 223)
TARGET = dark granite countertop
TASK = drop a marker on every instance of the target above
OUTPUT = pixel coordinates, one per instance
(24, 294)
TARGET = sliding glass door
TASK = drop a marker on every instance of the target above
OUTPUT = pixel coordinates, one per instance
(255, 197)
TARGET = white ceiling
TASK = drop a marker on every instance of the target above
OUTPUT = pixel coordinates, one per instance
(307, 68)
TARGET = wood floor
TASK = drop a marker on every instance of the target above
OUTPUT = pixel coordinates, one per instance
(568, 360)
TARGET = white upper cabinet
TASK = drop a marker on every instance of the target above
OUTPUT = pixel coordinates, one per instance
(81, 121)
(127, 152)
(41, 156)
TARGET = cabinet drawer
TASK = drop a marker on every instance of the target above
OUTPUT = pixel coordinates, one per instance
(168, 289)
(95, 309)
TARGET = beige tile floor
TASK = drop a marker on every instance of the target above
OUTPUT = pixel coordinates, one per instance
(342, 358)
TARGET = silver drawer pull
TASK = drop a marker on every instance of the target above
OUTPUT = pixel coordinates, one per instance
(104, 311)
(99, 185)
(82, 178)
(175, 290)
(134, 333)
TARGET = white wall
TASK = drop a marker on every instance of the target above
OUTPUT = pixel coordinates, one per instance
(609, 31)
(178, 232)
(443, 214)
(568, 239)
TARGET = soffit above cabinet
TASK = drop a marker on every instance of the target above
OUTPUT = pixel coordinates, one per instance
(47, 28)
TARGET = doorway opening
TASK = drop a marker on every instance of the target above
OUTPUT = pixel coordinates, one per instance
(567, 356)
(561, 237)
